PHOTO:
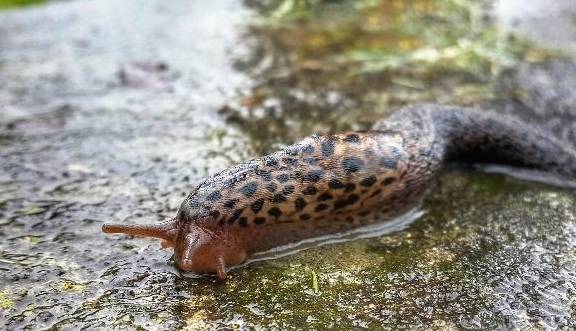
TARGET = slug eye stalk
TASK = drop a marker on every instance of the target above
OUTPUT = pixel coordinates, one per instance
(166, 231)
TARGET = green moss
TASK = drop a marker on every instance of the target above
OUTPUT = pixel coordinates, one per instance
(19, 3)
(6, 301)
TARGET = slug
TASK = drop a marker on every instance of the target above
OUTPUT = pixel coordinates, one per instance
(329, 184)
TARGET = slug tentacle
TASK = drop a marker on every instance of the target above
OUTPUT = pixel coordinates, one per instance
(165, 230)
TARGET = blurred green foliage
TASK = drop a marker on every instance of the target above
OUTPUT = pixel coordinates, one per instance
(19, 3)
(371, 36)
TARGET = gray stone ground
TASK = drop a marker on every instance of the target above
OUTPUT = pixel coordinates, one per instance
(112, 112)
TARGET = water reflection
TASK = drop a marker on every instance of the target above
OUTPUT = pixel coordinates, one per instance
(322, 66)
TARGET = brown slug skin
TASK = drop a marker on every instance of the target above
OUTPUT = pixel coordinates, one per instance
(333, 183)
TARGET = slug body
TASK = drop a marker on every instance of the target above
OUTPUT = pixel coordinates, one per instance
(333, 183)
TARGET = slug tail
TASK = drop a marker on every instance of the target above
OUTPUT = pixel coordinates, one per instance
(165, 230)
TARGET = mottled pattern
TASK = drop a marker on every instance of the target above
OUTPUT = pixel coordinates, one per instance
(325, 184)
(333, 183)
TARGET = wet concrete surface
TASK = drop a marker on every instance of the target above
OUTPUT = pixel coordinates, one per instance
(113, 112)
(549, 23)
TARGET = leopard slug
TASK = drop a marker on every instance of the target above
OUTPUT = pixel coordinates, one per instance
(334, 183)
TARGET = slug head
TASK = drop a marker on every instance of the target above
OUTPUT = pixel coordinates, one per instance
(203, 251)
(196, 249)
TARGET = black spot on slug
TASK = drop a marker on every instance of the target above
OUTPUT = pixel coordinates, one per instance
(310, 190)
(235, 216)
(243, 221)
(352, 164)
(288, 189)
(283, 178)
(327, 147)
(249, 189)
(387, 162)
(353, 198)
(368, 181)
(278, 198)
(304, 217)
(325, 197)
(230, 182)
(313, 176)
(335, 184)
(230, 203)
(293, 151)
(352, 138)
(271, 187)
(300, 203)
(308, 149)
(350, 187)
(265, 175)
(339, 204)
(388, 181)
(257, 205)
(321, 207)
(275, 211)
(271, 162)
(296, 175)
(214, 196)
(290, 161)
(259, 220)
(215, 214)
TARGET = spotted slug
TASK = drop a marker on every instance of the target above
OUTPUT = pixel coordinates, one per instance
(328, 184)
